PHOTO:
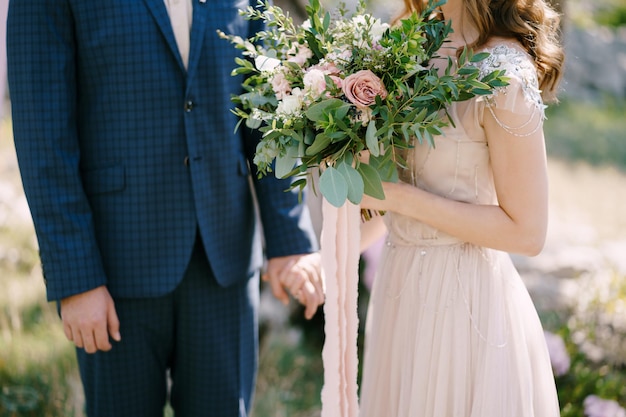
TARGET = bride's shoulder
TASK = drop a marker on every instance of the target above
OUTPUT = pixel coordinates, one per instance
(509, 55)
(519, 67)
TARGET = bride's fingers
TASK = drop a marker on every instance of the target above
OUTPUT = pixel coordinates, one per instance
(312, 267)
(316, 278)
(293, 278)
(308, 298)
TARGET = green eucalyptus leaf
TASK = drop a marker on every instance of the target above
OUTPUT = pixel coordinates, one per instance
(371, 181)
(355, 183)
(467, 70)
(286, 162)
(342, 111)
(482, 91)
(253, 123)
(333, 187)
(371, 140)
(386, 167)
(316, 112)
(478, 85)
(320, 143)
(479, 56)
(326, 21)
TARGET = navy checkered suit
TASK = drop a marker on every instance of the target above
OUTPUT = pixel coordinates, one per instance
(125, 155)
(122, 154)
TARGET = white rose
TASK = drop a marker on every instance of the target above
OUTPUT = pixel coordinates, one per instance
(378, 29)
(291, 103)
(314, 83)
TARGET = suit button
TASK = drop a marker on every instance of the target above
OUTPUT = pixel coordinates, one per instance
(186, 161)
(188, 106)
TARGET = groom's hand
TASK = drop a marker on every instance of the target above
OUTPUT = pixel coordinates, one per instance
(299, 275)
(89, 319)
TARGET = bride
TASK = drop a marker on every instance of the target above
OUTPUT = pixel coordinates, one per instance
(451, 329)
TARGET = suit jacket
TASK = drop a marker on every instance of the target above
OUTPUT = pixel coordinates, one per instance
(125, 155)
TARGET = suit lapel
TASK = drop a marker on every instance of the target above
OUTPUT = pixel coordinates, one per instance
(159, 12)
(198, 28)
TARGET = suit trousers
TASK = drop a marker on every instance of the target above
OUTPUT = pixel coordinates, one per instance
(203, 335)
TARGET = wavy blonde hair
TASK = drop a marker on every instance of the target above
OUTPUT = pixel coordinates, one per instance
(533, 23)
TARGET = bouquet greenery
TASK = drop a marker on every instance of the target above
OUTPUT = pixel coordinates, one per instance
(342, 84)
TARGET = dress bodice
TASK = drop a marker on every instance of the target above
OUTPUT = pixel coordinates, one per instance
(458, 166)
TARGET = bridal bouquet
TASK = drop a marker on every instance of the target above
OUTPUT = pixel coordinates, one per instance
(342, 84)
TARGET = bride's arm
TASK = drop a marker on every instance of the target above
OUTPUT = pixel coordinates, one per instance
(371, 231)
(518, 223)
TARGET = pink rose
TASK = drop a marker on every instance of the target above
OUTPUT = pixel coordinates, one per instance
(361, 88)
(280, 85)
(299, 54)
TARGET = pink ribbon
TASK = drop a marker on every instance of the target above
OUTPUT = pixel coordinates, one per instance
(340, 264)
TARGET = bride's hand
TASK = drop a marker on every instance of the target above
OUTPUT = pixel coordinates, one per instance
(387, 204)
(301, 276)
(371, 203)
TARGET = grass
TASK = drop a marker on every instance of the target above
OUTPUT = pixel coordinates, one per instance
(290, 376)
(38, 376)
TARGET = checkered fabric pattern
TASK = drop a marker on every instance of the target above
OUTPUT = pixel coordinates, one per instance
(124, 154)
(204, 333)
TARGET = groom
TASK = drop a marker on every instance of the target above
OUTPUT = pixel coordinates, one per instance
(140, 195)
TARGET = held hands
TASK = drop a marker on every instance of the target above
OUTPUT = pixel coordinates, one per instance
(301, 276)
(89, 319)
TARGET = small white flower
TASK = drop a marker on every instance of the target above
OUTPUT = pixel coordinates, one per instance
(266, 151)
(366, 26)
(378, 29)
(340, 57)
(364, 115)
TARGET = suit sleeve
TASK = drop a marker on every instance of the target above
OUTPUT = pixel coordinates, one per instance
(286, 220)
(41, 49)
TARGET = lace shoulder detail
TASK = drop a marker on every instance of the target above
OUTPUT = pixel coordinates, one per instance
(519, 66)
(522, 95)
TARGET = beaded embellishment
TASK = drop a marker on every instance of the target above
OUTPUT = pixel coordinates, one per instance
(518, 65)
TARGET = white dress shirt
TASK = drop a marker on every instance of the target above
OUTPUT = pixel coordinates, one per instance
(180, 12)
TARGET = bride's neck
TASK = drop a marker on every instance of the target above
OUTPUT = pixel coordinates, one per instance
(463, 31)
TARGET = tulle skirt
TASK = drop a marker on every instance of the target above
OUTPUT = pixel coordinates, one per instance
(452, 332)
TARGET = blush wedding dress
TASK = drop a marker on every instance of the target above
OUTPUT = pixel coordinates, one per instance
(451, 329)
